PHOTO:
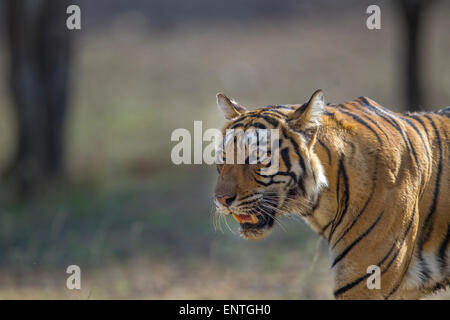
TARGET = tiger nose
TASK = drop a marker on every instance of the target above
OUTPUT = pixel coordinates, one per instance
(225, 199)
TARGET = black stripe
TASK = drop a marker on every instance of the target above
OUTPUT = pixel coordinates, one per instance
(338, 184)
(330, 114)
(243, 203)
(368, 117)
(280, 173)
(275, 113)
(325, 227)
(398, 251)
(441, 285)
(379, 107)
(427, 225)
(355, 242)
(268, 183)
(300, 182)
(408, 228)
(345, 198)
(278, 112)
(425, 145)
(364, 277)
(286, 159)
(272, 121)
(296, 149)
(237, 125)
(362, 122)
(326, 149)
(389, 118)
(259, 125)
(362, 209)
(248, 196)
(422, 123)
(301, 186)
(357, 281)
(438, 174)
(417, 131)
(408, 144)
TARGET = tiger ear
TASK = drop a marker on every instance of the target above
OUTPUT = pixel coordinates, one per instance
(231, 109)
(308, 117)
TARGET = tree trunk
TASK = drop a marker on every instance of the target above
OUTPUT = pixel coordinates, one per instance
(413, 12)
(40, 46)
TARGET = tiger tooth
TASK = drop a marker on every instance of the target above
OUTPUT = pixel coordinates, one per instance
(254, 219)
(236, 217)
(248, 218)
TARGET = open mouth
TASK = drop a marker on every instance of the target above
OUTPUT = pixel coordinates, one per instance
(246, 218)
(257, 220)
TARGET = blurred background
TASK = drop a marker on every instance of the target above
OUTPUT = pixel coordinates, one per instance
(86, 117)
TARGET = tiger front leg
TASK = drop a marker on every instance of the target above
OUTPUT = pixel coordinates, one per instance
(372, 261)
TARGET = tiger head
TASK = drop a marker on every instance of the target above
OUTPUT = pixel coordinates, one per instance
(257, 194)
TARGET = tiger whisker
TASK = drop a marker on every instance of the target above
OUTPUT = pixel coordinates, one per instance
(228, 226)
(290, 202)
(217, 220)
(264, 210)
(286, 213)
(274, 208)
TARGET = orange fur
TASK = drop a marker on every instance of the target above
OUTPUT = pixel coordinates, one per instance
(373, 183)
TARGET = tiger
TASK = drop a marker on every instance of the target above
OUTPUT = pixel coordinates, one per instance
(372, 182)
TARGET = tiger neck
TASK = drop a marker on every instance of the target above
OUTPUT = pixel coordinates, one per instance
(332, 142)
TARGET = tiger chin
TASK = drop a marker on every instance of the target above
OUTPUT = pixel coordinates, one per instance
(373, 183)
